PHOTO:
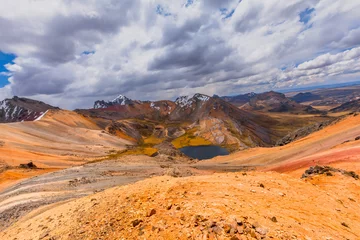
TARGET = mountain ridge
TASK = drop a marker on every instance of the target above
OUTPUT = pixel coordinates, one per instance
(22, 109)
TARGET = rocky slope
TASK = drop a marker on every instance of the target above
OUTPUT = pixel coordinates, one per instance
(222, 206)
(305, 131)
(353, 106)
(22, 109)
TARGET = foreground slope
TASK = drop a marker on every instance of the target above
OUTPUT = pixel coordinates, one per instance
(220, 206)
(60, 139)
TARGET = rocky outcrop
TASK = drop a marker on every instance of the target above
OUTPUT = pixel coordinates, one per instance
(328, 171)
(304, 131)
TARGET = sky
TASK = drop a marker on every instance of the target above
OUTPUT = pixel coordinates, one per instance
(70, 53)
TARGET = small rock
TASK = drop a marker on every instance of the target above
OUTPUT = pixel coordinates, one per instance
(274, 219)
(151, 212)
(227, 228)
(253, 233)
(344, 224)
(136, 222)
(253, 191)
(240, 229)
(262, 231)
(198, 193)
(262, 185)
(217, 230)
(44, 235)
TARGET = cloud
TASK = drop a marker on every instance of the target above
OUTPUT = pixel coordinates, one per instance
(70, 53)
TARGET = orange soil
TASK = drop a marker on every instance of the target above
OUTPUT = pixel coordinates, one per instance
(191, 208)
(60, 139)
(13, 176)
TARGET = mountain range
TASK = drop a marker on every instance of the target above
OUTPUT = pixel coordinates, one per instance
(235, 122)
(122, 141)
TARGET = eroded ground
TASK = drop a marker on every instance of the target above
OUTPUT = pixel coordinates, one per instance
(220, 206)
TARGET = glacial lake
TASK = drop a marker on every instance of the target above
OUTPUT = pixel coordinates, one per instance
(204, 152)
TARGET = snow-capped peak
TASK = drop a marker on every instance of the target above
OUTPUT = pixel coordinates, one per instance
(183, 101)
(121, 99)
(187, 101)
(201, 97)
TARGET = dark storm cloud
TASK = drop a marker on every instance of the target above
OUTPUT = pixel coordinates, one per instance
(63, 32)
(59, 42)
(179, 35)
(41, 81)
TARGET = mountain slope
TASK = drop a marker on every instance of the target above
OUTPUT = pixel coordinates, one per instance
(60, 139)
(22, 109)
(306, 97)
(353, 106)
(210, 118)
(302, 153)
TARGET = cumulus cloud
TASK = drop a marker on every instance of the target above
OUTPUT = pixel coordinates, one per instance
(70, 53)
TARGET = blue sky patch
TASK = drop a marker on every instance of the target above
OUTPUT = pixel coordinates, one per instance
(189, 2)
(305, 15)
(88, 52)
(226, 13)
(5, 59)
(161, 11)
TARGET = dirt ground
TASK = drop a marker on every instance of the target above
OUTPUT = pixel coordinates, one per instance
(19, 199)
(221, 206)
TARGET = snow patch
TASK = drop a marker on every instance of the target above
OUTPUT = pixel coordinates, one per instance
(184, 101)
(201, 97)
(40, 117)
(152, 105)
(187, 101)
(121, 99)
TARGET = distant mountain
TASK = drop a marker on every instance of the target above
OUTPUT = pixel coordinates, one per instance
(306, 97)
(119, 100)
(269, 102)
(215, 119)
(123, 107)
(353, 106)
(239, 100)
(22, 109)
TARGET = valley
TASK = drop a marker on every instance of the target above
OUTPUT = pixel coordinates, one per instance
(123, 162)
